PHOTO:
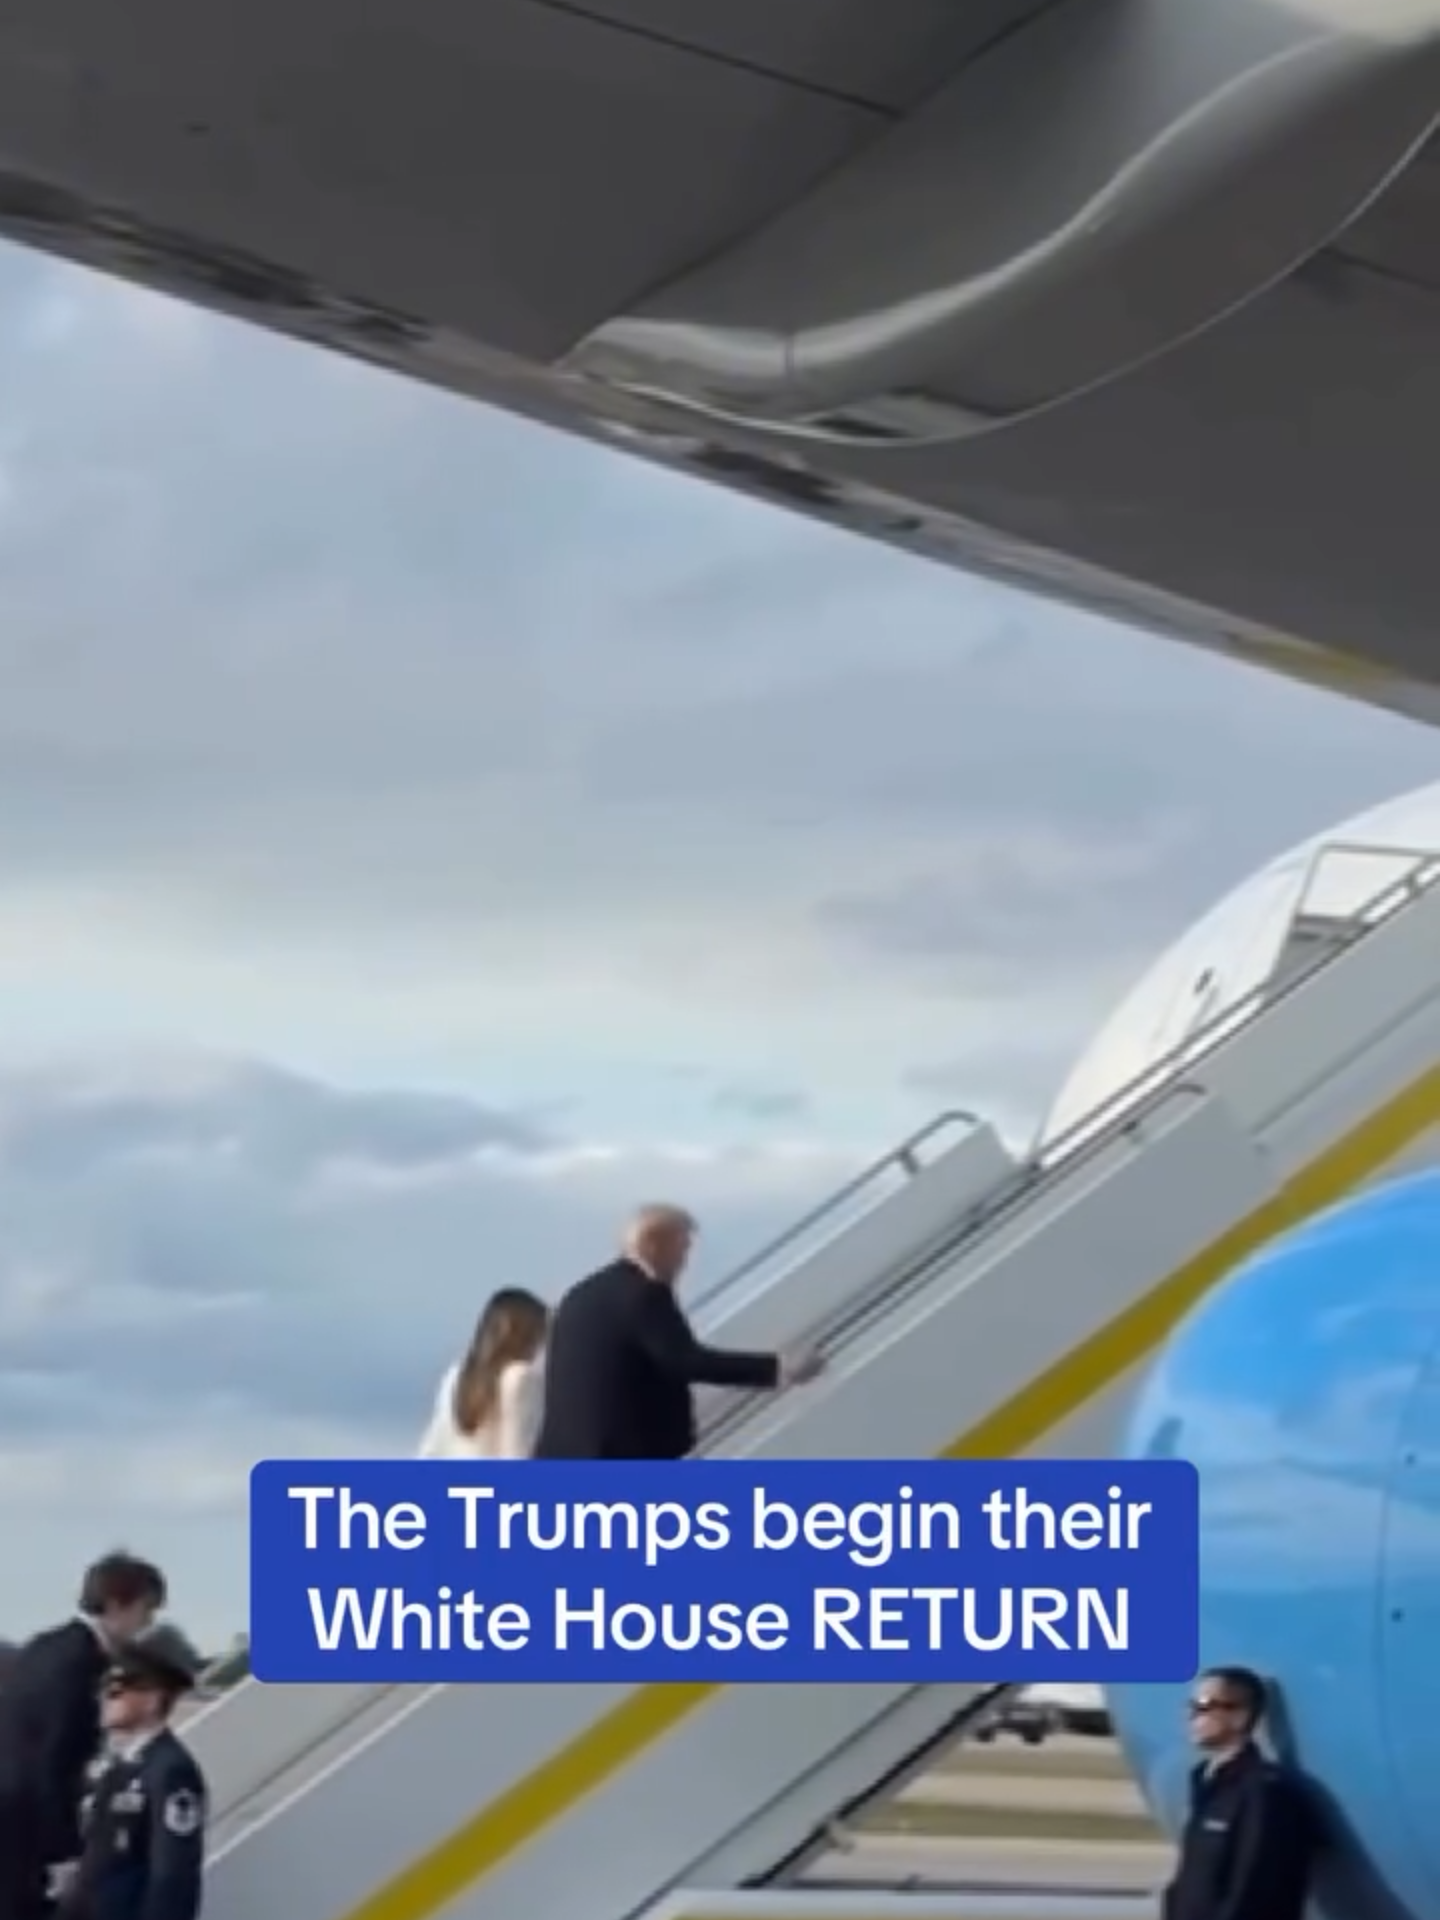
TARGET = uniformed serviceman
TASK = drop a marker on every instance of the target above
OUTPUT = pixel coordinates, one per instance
(143, 1854)
(1253, 1829)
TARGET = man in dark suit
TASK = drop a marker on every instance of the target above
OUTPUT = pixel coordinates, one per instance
(1253, 1831)
(50, 1725)
(621, 1359)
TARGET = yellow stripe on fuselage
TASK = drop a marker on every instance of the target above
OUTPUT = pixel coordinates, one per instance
(549, 1792)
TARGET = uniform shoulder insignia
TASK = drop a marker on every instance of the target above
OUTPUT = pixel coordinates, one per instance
(182, 1812)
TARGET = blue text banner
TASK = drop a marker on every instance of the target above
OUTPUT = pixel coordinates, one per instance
(416, 1572)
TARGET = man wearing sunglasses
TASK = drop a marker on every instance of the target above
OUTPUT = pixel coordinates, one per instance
(143, 1855)
(1250, 1838)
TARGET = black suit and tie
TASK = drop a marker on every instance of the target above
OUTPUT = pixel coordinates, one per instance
(621, 1363)
(49, 1734)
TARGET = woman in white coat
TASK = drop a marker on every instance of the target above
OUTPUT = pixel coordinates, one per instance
(488, 1406)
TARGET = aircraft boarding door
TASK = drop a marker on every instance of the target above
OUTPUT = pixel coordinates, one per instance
(1347, 890)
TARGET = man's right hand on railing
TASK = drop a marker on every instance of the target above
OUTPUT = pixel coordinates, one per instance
(801, 1366)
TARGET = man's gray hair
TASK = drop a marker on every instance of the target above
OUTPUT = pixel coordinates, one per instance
(659, 1218)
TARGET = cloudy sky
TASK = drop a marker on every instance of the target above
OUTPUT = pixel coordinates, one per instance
(421, 836)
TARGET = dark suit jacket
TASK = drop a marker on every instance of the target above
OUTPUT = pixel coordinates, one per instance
(50, 1732)
(1249, 1846)
(620, 1363)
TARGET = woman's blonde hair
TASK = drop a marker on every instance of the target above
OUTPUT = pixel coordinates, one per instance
(511, 1328)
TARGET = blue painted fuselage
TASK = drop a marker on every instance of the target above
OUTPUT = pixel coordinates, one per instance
(1307, 1391)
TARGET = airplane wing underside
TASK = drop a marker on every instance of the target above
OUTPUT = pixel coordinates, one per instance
(1130, 301)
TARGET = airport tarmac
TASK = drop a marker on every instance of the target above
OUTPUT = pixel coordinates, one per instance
(1063, 1818)
(1131, 1868)
(1035, 1792)
(1062, 1754)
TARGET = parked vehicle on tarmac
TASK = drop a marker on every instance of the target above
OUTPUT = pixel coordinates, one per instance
(1028, 1720)
(1079, 1710)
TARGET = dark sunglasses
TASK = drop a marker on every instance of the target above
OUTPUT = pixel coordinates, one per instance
(1210, 1703)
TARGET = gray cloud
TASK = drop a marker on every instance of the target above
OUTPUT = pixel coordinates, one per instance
(321, 667)
(763, 1103)
(342, 651)
(309, 1247)
(1008, 1077)
(1001, 917)
(215, 1258)
(68, 1125)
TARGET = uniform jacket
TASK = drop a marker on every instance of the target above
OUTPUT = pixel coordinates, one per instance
(143, 1855)
(1249, 1845)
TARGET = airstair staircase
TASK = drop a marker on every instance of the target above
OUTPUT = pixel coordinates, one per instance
(971, 1303)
